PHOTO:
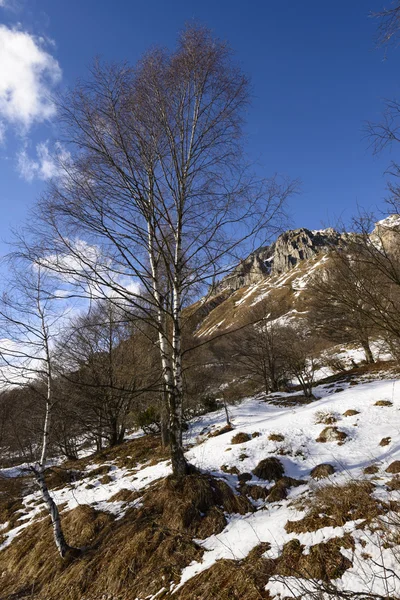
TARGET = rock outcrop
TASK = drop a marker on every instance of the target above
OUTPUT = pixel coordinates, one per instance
(300, 244)
(289, 249)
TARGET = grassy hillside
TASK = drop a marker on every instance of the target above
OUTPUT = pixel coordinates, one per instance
(258, 518)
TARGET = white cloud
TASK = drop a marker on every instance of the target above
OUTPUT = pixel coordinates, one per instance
(28, 75)
(47, 164)
(42, 167)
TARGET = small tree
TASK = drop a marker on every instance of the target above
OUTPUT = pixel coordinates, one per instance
(259, 348)
(338, 307)
(29, 324)
(301, 352)
(100, 367)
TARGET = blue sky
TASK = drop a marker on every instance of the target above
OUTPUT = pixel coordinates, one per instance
(316, 78)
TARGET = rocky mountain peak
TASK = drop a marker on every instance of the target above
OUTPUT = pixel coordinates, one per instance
(286, 252)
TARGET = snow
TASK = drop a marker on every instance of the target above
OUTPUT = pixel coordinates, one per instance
(390, 221)
(300, 430)
(299, 453)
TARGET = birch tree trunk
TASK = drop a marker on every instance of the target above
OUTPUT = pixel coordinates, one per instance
(39, 469)
(58, 534)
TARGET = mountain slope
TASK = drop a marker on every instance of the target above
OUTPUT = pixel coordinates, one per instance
(148, 538)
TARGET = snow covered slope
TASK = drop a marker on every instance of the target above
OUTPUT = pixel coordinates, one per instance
(362, 418)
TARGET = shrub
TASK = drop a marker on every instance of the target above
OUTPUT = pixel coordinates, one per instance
(149, 420)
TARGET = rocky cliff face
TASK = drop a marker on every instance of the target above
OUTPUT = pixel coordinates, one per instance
(289, 249)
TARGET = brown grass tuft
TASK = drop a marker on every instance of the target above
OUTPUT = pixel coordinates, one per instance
(371, 470)
(240, 438)
(243, 477)
(383, 403)
(323, 562)
(270, 469)
(225, 429)
(394, 484)
(351, 413)
(105, 479)
(276, 437)
(254, 491)
(385, 441)
(321, 471)
(334, 505)
(230, 470)
(394, 467)
(331, 434)
(325, 417)
(184, 504)
(130, 454)
(11, 492)
(33, 555)
(280, 490)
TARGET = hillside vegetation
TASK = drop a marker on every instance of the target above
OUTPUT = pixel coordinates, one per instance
(291, 498)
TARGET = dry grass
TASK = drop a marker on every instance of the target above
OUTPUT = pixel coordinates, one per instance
(11, 492)
(230, 470)
(385, 441)
(322, 471)
(33, 556)
(232, 579)
(276, 437)
(246, 579)
(394, 467)
(280, 490)
(351, 413)
(270, 469)
(323, 562)
(331, 434)
(240, 438)
(254, 491)
(99, 471)
(130, 454)
(128, 558)
(371, 470)
(291, 401)
(59, 477)
(383, 403)
(334, 505)
(125, 495)
(325, 417)
(394, 484)
(185, 505)
(106, 479)
(222, 430)
(243, 477)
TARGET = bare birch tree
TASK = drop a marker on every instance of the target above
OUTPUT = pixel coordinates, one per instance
(28, 325)
(155, 190)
